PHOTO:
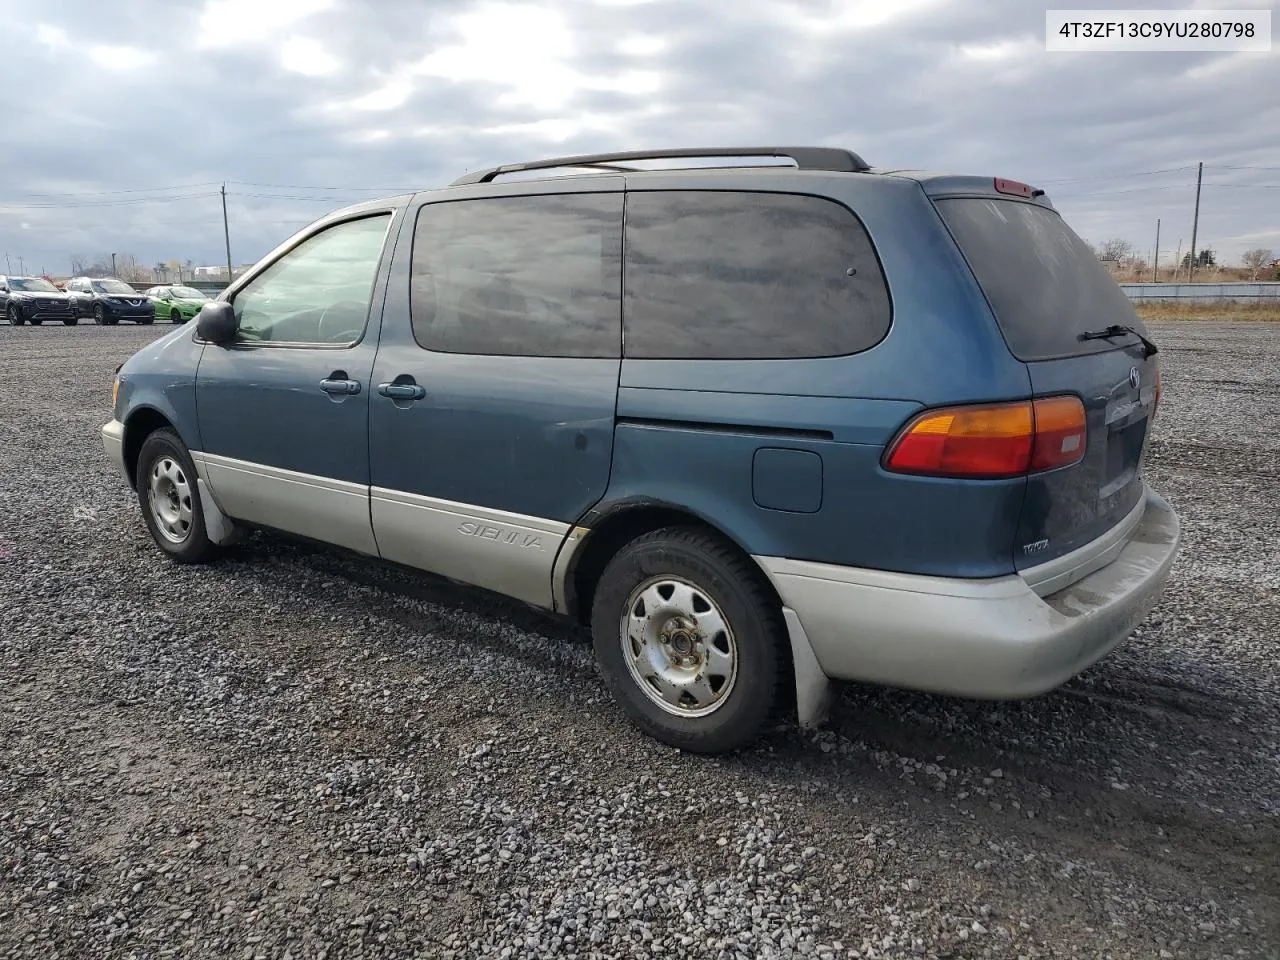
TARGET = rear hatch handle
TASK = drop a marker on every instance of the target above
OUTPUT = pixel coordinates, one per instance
(1117, 330)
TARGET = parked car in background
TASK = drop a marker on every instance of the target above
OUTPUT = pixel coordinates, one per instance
(177, 303)
(684, 407)
(108, 301)
(33, 300)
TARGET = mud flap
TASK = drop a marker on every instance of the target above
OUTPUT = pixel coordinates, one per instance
(220, 528)
(814, 691)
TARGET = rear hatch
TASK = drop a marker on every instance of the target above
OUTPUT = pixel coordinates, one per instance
(1047, 289)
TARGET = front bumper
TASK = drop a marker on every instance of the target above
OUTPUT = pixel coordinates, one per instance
(113, 443)
(990, 639)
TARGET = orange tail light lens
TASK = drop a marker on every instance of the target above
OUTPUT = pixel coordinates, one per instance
(991, 440)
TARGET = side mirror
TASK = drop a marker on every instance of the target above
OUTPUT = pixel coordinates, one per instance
(216, 322)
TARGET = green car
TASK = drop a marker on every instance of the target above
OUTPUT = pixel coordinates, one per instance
(177, 303)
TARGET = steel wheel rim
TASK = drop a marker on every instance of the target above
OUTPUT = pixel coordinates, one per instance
(678, 647)
(170, 499)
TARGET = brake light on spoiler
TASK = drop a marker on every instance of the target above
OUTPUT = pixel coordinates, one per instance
(1016, 188)
(990, 441)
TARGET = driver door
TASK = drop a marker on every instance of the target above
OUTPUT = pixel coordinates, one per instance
(284, 409)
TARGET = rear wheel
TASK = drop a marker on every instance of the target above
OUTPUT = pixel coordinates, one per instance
(689, 639)
(14, 316)
(170, 499)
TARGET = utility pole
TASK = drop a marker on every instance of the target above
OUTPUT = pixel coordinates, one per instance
(113, 264)
(226, 233)
(1155, 260)
(1195, 223)
(22, 266)
(1177, 261)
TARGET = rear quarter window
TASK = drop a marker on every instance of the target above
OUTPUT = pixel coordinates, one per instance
(1044, 284)
(745, 276)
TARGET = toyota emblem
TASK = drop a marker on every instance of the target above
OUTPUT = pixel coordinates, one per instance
(1135, 378)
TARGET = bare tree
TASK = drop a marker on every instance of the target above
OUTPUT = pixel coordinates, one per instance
(1256, 259)
(1115, 249)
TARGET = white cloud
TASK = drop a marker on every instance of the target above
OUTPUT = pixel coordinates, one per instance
(387, 97)
(308, 57)
(642, 45)
(529, 52)
(55, 38)
(998, 50)
(225, 23)
(522, 48)
(120, 56)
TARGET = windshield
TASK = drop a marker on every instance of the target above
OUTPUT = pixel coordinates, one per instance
(113, 286)
(189, 293)
(35, 285)
(1044, 284)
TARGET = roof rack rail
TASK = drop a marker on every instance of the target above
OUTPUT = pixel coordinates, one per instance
(835, 159)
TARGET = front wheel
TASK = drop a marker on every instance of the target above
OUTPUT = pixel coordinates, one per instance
(99, 315)
(14, 316)
(175, 316)
(145, 321)
(170, 499)
(70, 321)
(689, 639)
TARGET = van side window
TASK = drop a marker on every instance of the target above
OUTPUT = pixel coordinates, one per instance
(519, 276)
(319, 291)
(748, 276)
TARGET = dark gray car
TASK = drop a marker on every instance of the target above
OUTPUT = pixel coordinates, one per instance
(33, 300)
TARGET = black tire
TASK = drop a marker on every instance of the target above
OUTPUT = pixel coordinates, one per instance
(35, 321)
(175, 316)
(736, 587)
(194, 546)
(14, 316)
(99, 315)
(71, 321)
(146, 321)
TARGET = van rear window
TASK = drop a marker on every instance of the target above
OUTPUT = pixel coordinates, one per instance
(1044, 284)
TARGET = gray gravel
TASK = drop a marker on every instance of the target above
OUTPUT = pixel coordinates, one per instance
(297, 753)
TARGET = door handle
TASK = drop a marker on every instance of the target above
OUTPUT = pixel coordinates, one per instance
(402, 391)
(342, 388)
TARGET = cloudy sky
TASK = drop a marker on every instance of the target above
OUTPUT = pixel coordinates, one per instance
(122, 119)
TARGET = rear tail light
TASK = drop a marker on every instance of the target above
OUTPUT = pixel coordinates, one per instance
(989, 441)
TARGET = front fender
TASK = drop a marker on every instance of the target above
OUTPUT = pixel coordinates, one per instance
(161, 378)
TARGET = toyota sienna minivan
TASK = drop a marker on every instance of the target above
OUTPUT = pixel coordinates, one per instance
(760, 426)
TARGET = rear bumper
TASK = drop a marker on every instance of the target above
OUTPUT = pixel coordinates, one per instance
(113, 443)
(990, 639)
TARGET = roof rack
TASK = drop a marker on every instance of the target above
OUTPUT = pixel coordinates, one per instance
(835, 159)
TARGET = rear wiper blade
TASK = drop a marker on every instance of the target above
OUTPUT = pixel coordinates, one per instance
(1117, 330)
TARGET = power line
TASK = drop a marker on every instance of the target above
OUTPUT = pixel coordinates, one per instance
(299, 186)
(1120, 176)
(103, 193)
(278, 196)
(103, 203)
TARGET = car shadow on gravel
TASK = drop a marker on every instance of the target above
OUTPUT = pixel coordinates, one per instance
(1117, 724)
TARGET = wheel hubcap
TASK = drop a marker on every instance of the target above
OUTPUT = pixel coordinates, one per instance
(170, 499)
(678, 647)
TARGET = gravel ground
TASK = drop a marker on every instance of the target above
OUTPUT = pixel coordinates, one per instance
(300, 754)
